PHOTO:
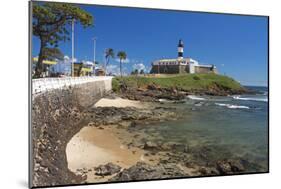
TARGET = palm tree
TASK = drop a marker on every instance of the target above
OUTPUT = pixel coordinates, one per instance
(122, 56)
(109, 53)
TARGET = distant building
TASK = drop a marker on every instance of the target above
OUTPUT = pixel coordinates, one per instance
(82, 69)
(100, 72)
(180, 65)
(46, 64)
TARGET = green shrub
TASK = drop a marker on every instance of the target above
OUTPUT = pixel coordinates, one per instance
(115, 85)
(182, 82)
(196, 77)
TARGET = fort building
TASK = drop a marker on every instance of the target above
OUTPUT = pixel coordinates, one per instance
(180, 65)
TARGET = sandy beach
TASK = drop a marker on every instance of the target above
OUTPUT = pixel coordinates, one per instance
(92, 147)
(119, 103)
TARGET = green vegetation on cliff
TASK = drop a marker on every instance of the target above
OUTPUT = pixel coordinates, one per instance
(187, 82)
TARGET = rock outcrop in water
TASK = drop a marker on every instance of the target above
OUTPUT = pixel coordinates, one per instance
(128, 116)
(143, 171)
(153, 93)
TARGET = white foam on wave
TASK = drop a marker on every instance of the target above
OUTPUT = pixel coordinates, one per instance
(251, 99)
(232, 106)
(165, 100)
(199, 104)
(193, 97)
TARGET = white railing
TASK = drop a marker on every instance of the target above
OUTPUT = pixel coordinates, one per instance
(44, 84)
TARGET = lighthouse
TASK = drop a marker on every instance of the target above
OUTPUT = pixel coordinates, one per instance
(180, 50)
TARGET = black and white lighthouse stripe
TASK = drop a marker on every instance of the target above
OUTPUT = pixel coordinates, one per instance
(180, 49)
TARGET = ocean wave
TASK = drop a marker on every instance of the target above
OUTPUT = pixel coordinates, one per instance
(250, 98)
(232, 106)
(162, 100)
(193, 97)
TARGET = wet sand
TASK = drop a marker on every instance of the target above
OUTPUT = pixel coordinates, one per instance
(92, 147)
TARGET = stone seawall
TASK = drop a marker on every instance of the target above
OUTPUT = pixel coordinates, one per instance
(57, 115)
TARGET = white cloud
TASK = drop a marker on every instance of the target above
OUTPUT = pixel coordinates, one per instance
(127, 60)
(113, 69)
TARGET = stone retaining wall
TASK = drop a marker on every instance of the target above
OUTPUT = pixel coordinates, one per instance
(57, 115)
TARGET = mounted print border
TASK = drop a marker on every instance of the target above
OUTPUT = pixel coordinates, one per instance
(126, 94)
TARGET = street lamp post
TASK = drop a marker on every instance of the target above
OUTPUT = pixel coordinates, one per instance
(72, 48)
(94, 39)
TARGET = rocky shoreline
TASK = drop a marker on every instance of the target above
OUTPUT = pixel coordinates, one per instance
(153, 92)
(165, 159)
(64, 118)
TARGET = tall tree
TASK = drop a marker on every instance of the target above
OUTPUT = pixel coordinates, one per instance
(50, 23)
(109, 53)
(122, 56)
(52, 54)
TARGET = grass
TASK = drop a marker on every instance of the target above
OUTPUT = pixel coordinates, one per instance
(184, 82)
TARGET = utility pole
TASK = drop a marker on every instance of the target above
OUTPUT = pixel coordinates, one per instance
(72, 48)
(94, 39)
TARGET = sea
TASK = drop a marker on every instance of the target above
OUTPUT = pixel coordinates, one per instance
(237, 124)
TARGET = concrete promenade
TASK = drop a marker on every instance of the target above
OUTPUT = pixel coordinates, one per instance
(46, 84)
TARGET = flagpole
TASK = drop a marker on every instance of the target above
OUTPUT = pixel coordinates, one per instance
(72, 48)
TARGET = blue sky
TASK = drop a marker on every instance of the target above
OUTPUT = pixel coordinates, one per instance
(237, 45)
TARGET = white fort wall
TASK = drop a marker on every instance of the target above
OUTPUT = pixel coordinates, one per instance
(46, 84)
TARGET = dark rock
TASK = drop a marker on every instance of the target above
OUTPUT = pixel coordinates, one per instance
(143, 171)
(224, 167)
(168, 146)
(150, 146)
(133, 124)
(206, 171)
(113, 115)
(209, 154)
(173, 146)
(152, 87)
(236, 166)
(230, 166)
(252, 166)
(107, 169)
